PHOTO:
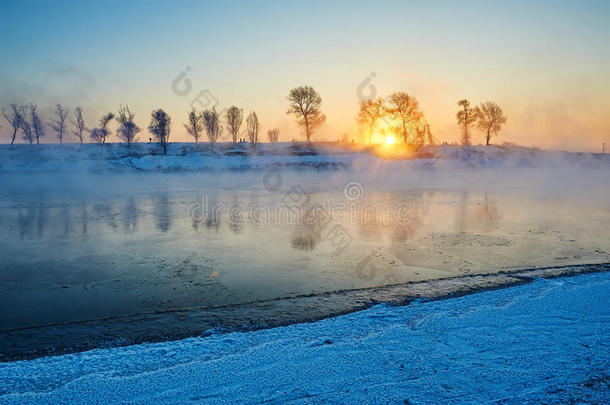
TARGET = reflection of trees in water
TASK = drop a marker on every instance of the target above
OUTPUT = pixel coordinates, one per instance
(236, 216)
(130, 215)
(304, 239)
(212, 219)
(402, 233)
(485, 215)
(64, 214)
(26, 219)
(30, 218)
(32, 222)
(42, 220)
(206, 213)
(400, 224)
(105, 211)
(461, 212)
(489, 213)
(373, 222)
(407, 225)
(84, 218)
(162, 212)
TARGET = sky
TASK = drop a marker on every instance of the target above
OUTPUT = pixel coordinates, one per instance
(546, 63)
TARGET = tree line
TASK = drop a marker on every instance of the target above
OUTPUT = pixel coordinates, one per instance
(413, 127)
(304, 103)
(487, 116)
(399, 106)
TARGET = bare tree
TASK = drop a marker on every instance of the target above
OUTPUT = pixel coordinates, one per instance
(79, 124)
(370, 112)
(466, 117)
(100, 134)
(304, 102)
(490, 119)
(195, 125)
(159, 127)
(127, 129)
(234, 119)
(28, 133)
(36, 123)
(428, 132)
(253, 128)
(211, 121)
(97, 136)
(59, 124)
(15, 118)
(274, 135)
(405, 108)
(422, 132)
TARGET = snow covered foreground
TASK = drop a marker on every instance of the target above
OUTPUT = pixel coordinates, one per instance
(544, 341)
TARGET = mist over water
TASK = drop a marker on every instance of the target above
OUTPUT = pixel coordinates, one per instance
(78, 247)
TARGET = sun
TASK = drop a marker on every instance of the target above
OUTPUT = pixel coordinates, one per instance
(390, 140)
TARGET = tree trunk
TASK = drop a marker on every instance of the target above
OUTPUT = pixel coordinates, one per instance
(488, 136)
(14, 135)
(465, 136)
(307, 134)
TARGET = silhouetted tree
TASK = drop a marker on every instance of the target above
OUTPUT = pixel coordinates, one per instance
(127, 129)
(28, 133)
(159, 127)
(465, 117)
(79, 124)
(15, 118)
(96, 135)
(304, 102)
(99, 134)
(370, 112)
(59, 124)
(253, 128)
(195, 125)
(428, 132)
(490, 119)
(404, 108)
(211, 121)
(234, 120)
(422, 132)
(274, 135)
(36, 123)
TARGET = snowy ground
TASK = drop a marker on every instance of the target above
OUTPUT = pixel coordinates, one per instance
(187, 156)
(546, 341)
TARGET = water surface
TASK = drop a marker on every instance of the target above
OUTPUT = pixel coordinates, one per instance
(103, 247)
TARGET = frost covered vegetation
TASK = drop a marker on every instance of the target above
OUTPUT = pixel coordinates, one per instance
(227, 155)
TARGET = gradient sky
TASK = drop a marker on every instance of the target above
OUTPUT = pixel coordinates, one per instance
(546, 63)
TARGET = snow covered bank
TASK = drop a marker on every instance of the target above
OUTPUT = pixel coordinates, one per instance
(187, 156)
(543, 341)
